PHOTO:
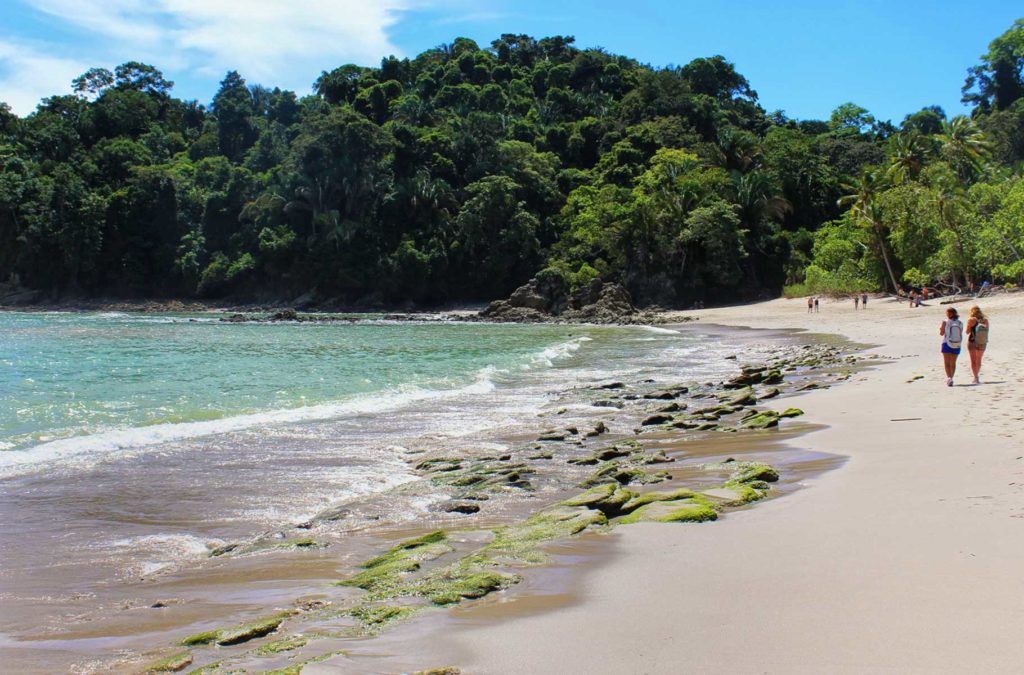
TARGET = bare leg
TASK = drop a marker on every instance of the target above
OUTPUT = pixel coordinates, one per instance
(976, 355)
(949, 362)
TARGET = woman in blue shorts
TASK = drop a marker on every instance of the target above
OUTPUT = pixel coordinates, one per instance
(952, 332)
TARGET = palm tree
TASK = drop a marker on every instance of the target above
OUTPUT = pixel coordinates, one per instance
(948, 198)
(738, 150)
(909, 151)
(965, 147)
(759, 198)
(861, 197)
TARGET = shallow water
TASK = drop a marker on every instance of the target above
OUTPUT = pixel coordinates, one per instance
(135, 444)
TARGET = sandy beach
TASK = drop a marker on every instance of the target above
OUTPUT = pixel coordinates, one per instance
(909, 558)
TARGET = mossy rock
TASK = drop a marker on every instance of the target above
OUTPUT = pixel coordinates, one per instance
(694, 425)
(608, 499)
(747, 472)
(773, 377)
(694, 510)
(656, 457)
(281, 646)
(519, 541)
(376, 616)
(742, 398)
(603, 455)
(662, 395)
(252, 630)
(674, 406)
(447, 670)
(653, 420)
(770, 393)
(171, 664)
(468, 587)
(440, 464)
(734, 494)
(652, 497)
(386, 569)
(199, 639)
(791, 412)
(761, 420)
(617, 472)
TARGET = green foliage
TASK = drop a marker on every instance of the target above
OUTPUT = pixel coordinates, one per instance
(462, 172)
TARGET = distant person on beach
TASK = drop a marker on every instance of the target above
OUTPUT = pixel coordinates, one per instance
(856, 302)
(810, 305)
(924, 293)
(977, 339)
(913, 299)
(952, 332)
(864, 300)
(815, 305)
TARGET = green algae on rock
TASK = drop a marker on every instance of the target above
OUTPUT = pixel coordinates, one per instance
(734, 494)
(760, 420)
(376, 616)
(608, 499)
(651, 497)
(520, 541)
(693, 510)
(384, 571)
(199, 639)
(618, 471)
(171, 664)
(253, 630)
(281, 646)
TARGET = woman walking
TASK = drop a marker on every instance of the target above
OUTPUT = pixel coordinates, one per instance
(952, 332)
(977, 339)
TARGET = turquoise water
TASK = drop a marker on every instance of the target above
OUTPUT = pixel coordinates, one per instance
(71, 375)
(64, 375)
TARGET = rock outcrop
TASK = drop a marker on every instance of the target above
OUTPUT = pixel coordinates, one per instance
(545, 300)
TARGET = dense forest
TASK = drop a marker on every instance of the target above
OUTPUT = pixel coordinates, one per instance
(461, 173)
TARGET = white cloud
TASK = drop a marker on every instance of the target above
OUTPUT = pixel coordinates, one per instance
(27, 74)
(275, 41)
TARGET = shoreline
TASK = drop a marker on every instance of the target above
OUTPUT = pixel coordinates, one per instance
(905, 559)
(156, 643)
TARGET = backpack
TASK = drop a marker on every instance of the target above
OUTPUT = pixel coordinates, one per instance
(980, 334)
(954, 333)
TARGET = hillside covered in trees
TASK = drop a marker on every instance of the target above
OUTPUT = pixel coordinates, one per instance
(461, 173)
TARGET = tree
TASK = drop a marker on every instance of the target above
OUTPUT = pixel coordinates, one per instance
(142, 77)
(997, 82)
(234, 108)
(908, 152)
(851, 118)
(965, 148)
(93, 82)
(861, 198)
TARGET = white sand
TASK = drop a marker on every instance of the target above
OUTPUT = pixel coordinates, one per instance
(910, 558)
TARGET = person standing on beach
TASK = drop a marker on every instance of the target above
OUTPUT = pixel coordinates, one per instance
(913, 299)
(864, 300)
(815, 305)
(977, 339)
(810, 305)
(856, 302)
(952, 332)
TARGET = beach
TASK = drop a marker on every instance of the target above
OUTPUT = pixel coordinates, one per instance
(906, 559)
(890, 543)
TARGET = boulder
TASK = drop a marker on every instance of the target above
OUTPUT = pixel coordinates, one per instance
(693, 510)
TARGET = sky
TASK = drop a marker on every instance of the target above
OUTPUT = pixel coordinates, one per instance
(802, 57)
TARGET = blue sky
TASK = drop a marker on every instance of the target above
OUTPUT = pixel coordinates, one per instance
(803, 57)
